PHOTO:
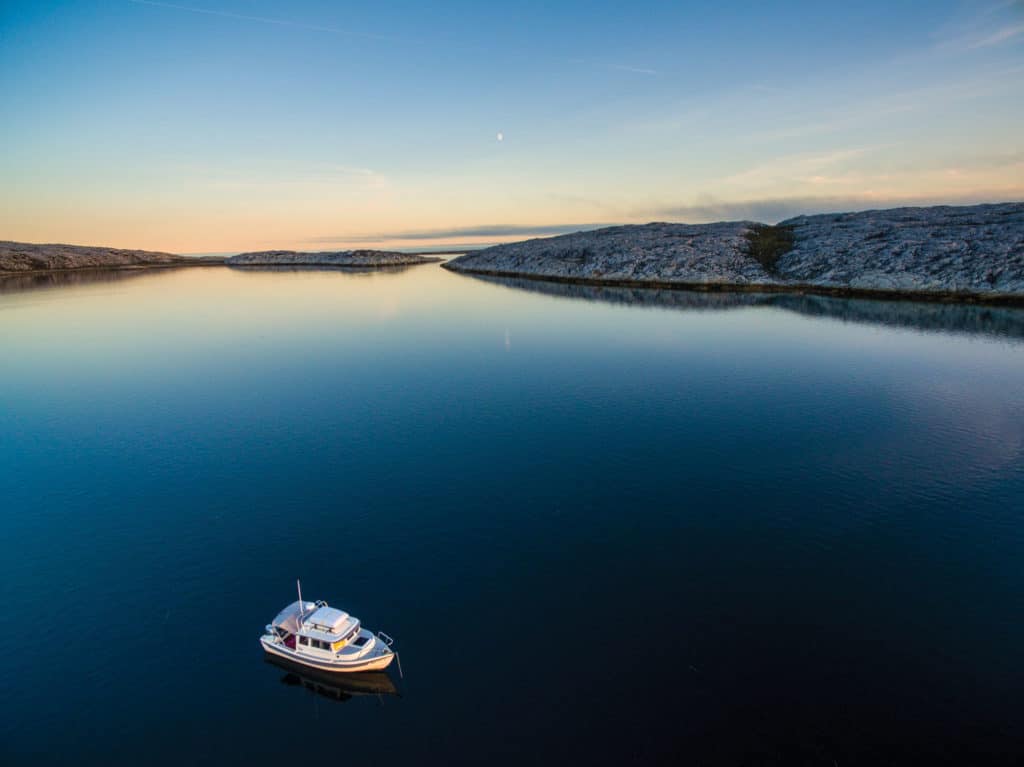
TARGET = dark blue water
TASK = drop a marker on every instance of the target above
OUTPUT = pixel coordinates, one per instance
(604, 526)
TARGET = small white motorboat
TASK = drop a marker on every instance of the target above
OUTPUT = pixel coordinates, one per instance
(316, 635)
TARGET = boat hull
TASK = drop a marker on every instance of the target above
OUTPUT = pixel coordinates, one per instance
(374, 662)
(337, 685)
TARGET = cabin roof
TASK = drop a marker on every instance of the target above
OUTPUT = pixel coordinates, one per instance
(288, 618)
(329, 619)
(328, 624)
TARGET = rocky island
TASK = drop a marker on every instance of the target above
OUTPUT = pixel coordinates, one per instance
(24, 257)
(973, 253)
(359, 259)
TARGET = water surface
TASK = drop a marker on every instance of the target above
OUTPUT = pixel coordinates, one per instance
(605, 526)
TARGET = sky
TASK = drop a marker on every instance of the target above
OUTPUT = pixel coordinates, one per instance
(207, 126)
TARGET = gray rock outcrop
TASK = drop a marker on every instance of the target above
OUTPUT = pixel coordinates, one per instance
(29, 257)
(974, 251)
(362, 259)
(658, 253)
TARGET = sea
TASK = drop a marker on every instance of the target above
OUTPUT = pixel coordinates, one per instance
(604, 526)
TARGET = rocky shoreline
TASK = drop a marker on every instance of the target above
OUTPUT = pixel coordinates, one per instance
(972, 253)
(944, 253)
(23, 257)
(356, 259)
(31, 258)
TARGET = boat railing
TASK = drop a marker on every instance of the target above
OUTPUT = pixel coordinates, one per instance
(385, 638)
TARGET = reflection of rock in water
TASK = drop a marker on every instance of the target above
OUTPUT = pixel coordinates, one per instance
(17, 283)
(13, 282)
(353, 270)
(972, 319)
(658, 297)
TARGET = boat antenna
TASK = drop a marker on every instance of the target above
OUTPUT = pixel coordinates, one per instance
(298, 585)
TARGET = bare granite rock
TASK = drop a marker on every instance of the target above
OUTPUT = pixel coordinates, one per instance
(975, 251)
(663, 253)
(363, 259)
(29, 257)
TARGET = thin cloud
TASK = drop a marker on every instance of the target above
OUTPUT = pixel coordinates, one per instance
(999, 36)
(706, 210)
(618, 67)
(488, 230)
(772, 211)
(635, 70)
(982, 28)
(265, 20)
(325, 177)
(801, 166)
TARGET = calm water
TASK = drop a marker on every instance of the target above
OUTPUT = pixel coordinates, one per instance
(604, 526)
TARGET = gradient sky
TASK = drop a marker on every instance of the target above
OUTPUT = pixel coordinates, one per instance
(222, 125)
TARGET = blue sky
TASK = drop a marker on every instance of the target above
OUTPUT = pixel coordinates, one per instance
(221, 125)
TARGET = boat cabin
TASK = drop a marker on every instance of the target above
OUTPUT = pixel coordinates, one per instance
(315, 628)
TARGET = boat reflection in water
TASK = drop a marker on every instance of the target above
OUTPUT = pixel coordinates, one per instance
(339, 687)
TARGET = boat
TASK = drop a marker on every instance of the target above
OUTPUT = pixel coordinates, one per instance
(318, 636)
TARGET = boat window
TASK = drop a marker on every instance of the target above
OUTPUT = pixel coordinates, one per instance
(303, 640)
(361, 641)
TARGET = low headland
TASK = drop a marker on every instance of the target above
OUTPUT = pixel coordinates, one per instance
(355, 259)
(962, 253)
(22, 257)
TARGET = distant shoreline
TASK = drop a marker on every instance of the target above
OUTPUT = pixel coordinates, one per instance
(32, 258)
(998, 299)
(944, 254)
(361, 259)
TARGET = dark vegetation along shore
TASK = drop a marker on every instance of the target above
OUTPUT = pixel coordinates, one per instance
(972, 253)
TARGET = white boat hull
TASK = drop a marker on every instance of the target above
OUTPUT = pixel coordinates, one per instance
(379, 658)
(334, 685)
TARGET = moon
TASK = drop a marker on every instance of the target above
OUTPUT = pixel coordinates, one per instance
(501, 136)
